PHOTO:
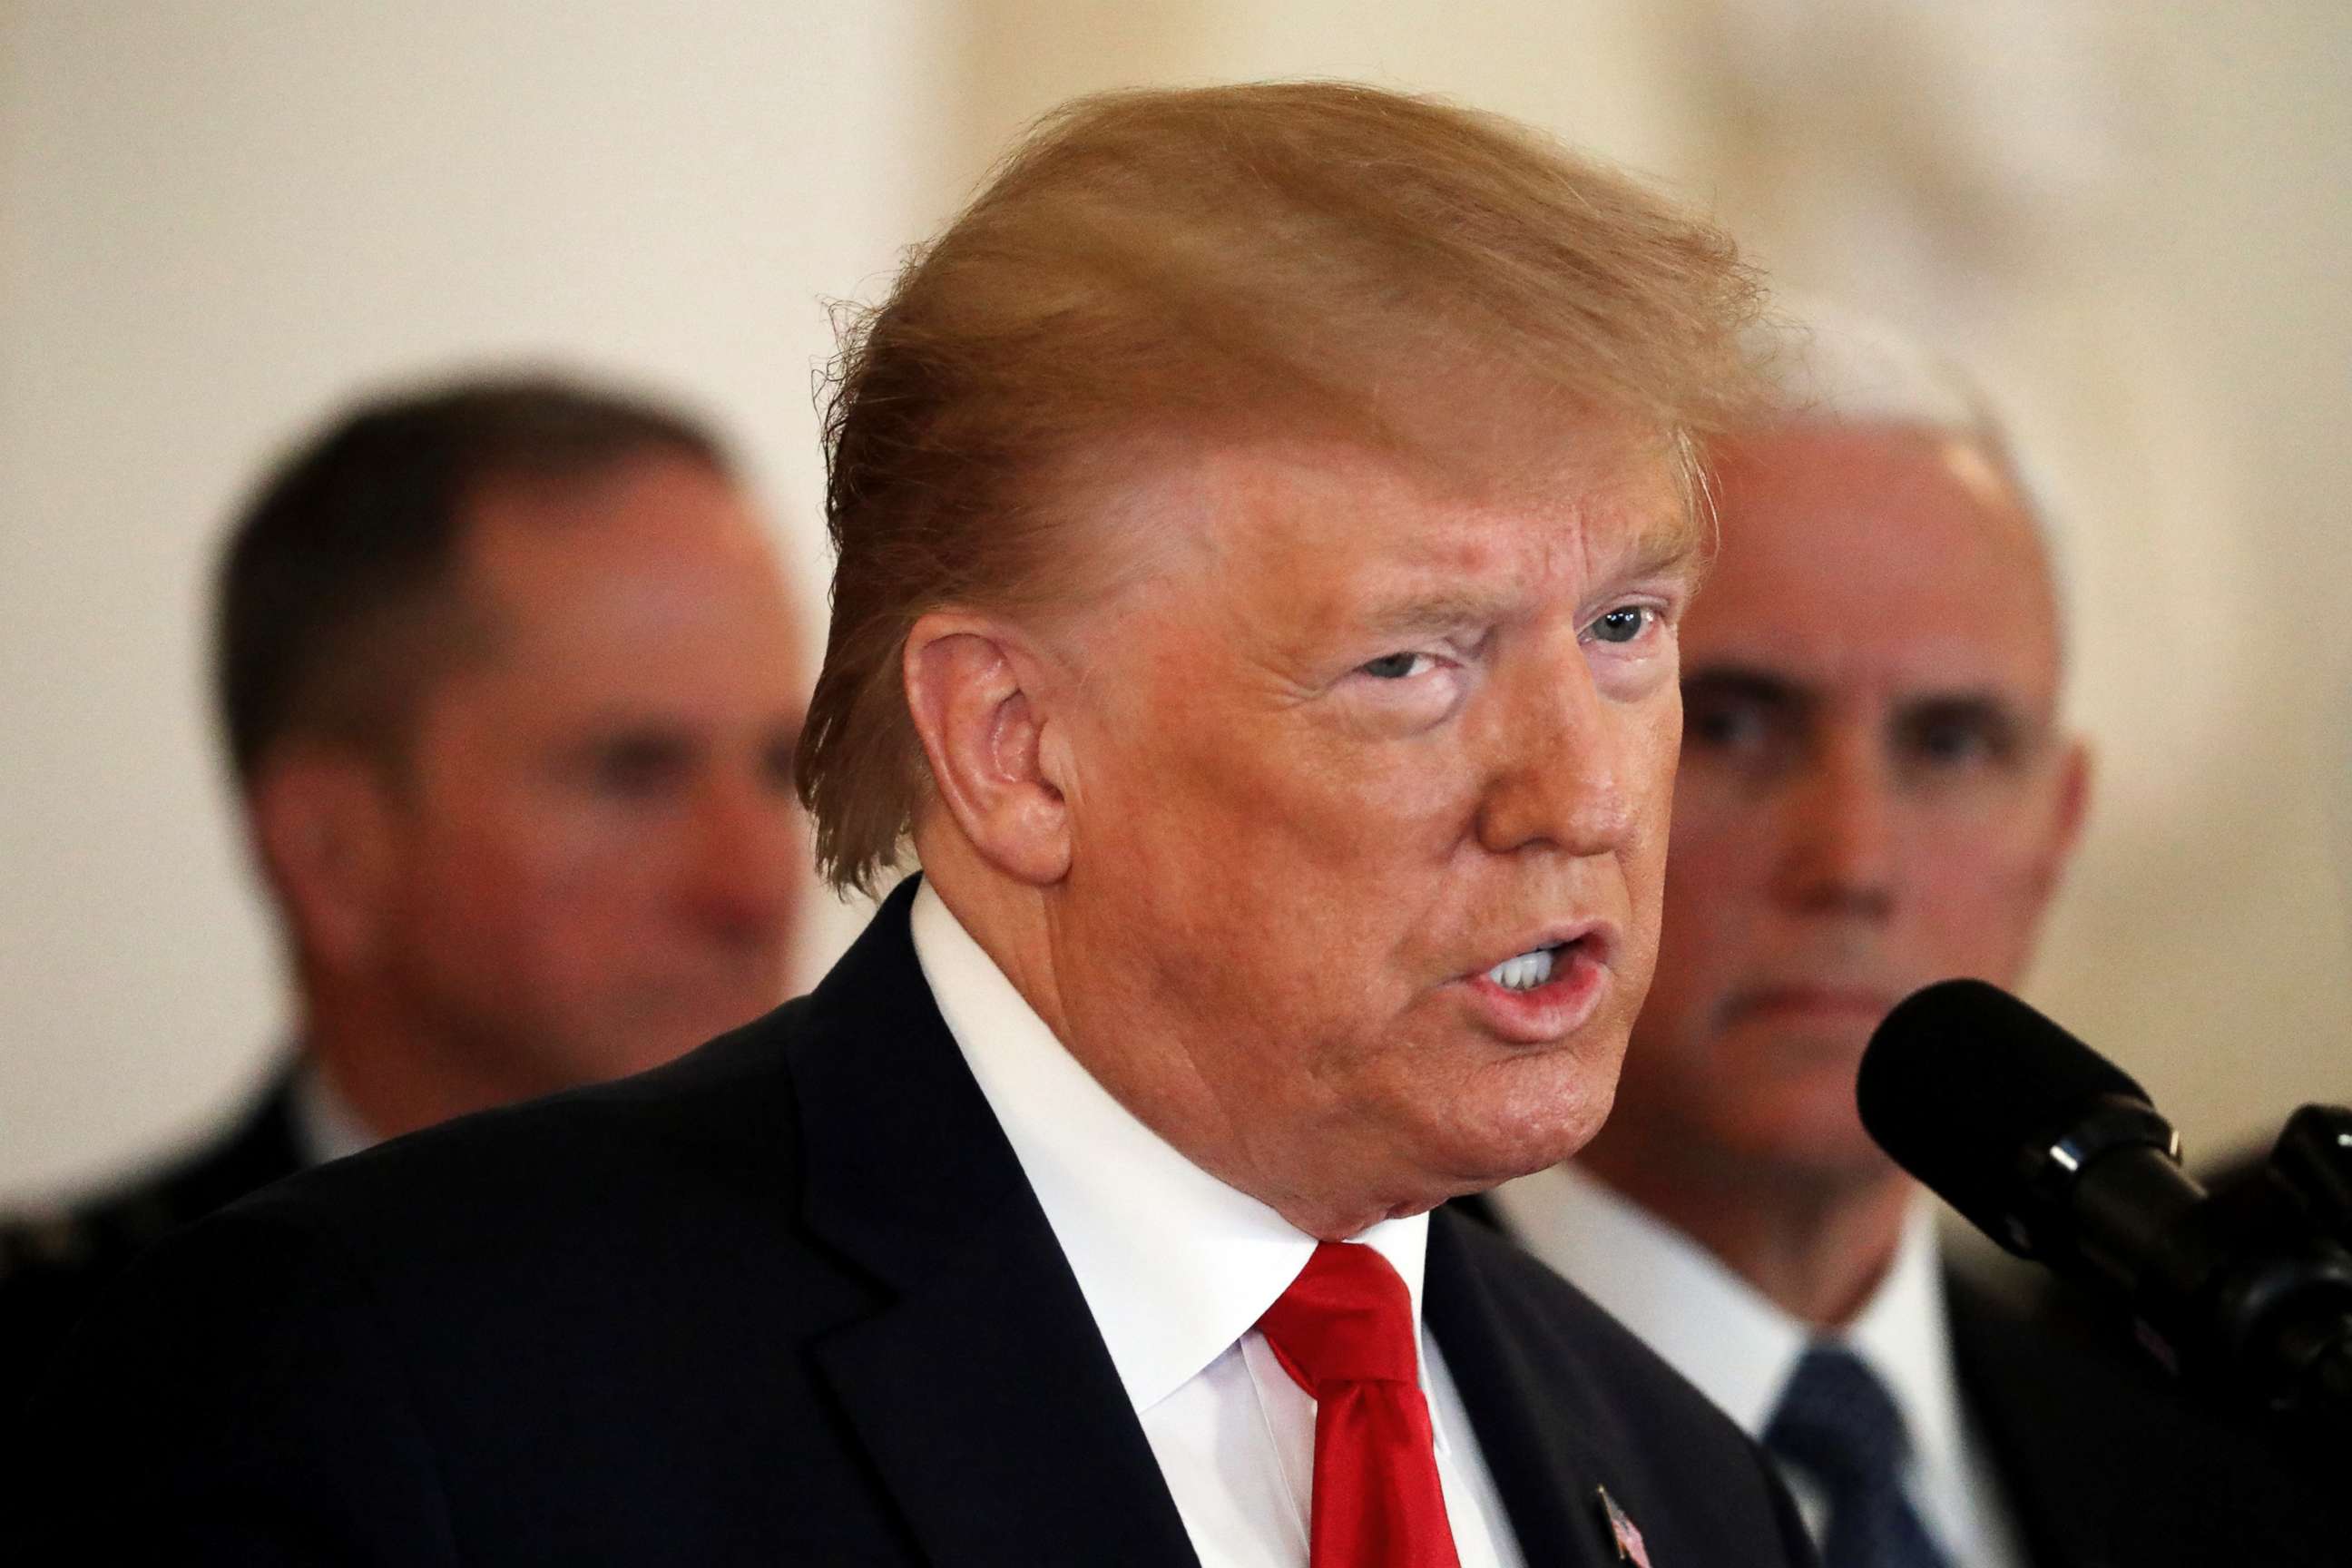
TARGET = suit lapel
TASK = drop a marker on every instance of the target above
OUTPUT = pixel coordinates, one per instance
(2022, 1409)
(980, 1385)
(1548, 1480)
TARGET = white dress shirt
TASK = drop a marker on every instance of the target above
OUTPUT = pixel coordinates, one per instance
(1176, 1268)
(325, 1126)
(1740, 1348)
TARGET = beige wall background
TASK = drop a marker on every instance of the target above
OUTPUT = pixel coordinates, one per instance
(217, 220)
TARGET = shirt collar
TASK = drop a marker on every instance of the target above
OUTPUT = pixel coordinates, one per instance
(1710, 1324)
(1719, 1331)
(325, 1126)
(1905, 1334)
(1174, 1264)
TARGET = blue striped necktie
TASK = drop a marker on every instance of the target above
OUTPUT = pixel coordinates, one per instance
(1837, 1425)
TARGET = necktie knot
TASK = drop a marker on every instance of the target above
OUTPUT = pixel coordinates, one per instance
(1344, 1332)
(1836, 1420)
(1347, 1318)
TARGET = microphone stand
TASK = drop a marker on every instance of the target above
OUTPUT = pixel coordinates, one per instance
(2309, 1173)
(2245, 1293)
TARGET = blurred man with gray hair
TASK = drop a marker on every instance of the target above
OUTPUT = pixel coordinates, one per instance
(1876, 791)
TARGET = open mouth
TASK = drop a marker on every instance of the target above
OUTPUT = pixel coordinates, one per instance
(1528, 970)
(1546, 992)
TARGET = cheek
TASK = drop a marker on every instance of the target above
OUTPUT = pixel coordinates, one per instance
(1727, 837)
(1654, 748)
(1235, 804)
(1277, 899)
(1980, 896)
(547, 889)
(1715, 894)
(1711, 866)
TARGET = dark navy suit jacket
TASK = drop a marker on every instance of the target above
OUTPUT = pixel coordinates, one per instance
(788, 1300)
(53, 1266)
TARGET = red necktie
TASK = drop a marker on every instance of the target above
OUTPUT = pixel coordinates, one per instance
(1344, 1332)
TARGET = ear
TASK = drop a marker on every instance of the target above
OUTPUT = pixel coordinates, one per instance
(2073, 805)
(974, 689)
(321, 820)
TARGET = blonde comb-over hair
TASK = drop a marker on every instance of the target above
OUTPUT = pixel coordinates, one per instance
(1301, 255)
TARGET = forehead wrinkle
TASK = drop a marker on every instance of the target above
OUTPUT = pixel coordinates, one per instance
(1662, 544)
(1627, 541)
(1475, 554)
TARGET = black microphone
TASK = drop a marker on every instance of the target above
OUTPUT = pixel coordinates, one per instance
(2058, 1155)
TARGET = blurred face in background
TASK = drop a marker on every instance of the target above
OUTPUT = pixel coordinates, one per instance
(1874, 794)
(592, 857)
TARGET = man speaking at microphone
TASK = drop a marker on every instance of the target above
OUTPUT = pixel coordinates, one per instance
(1263, 519)
(1876, 791)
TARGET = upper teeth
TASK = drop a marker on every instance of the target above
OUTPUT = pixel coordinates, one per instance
(1524, 972)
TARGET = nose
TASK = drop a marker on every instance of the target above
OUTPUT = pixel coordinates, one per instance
(1567, 770)
(744, 870)
(1839, 831)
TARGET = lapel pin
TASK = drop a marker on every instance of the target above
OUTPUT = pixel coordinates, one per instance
(1622, 1530)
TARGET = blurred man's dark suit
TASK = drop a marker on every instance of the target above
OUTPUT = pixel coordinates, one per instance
(790, 1300)
(2106, 1467)
(53, 1266)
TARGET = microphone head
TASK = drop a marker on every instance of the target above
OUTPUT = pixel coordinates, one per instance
(1969, 1089)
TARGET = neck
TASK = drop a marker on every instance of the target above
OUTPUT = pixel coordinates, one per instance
(393, 1074)
(1814, 1243)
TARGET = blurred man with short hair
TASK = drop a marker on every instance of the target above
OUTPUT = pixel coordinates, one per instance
(1876, 791)
(511, 682)
(1264, 517)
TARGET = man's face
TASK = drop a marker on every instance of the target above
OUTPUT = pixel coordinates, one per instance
(596, 852)
(1356, 745)
(1872, 793)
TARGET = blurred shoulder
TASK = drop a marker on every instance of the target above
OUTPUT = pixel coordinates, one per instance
(721, 1117)
(55, 1258)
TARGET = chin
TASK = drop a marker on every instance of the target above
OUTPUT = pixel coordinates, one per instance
(1832, 1149)
(1526, 1135)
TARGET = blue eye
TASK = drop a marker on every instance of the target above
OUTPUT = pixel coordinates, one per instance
(1395, 665)
(1623, 624)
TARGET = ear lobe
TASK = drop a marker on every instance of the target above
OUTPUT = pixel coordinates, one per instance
(972, 690)
(321, 823)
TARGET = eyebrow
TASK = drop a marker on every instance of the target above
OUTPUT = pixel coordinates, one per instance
(1441, 610)
(1675, 545)
(1768, 688)
(1749, 684)
(1670, 546)
(2010, 726)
